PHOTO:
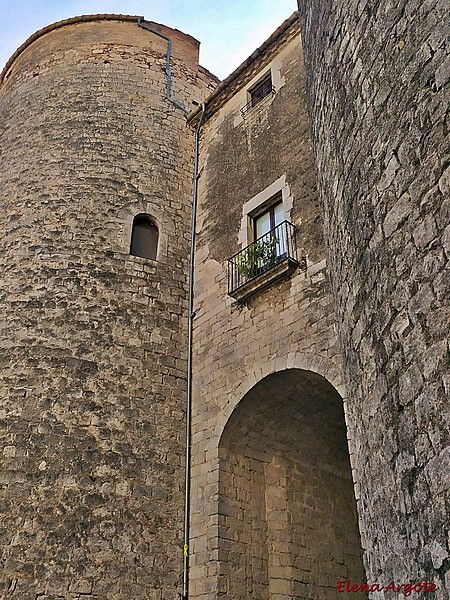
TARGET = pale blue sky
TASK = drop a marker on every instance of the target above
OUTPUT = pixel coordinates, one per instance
(229, 30)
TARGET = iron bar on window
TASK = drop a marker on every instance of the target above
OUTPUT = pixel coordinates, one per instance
(254, 102)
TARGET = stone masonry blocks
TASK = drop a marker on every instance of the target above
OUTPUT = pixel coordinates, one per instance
(378, 95)
(92, 354)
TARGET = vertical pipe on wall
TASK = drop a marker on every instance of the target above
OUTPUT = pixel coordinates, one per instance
(146, 26)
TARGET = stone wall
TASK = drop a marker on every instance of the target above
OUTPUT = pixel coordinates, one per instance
(92, 339)
(287, 513)
(290, 325)
(378, 91)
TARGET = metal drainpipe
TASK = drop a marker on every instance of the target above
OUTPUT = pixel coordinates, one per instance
(142, 23)
(187, 492)
(187, 499)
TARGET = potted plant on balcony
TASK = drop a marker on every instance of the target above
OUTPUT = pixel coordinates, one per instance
(257, 257)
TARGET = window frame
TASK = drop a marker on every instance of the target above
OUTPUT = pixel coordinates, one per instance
(259, 203)
(267, 207)
(242, 285)
(139, 245)
(270, 210)
(261, 89)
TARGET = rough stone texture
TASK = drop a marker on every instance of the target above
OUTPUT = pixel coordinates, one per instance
(287, 512)
(378, 83)
(93, 340)
(238, 506)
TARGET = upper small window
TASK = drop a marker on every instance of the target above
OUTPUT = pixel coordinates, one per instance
(262, 89)
(144, 237)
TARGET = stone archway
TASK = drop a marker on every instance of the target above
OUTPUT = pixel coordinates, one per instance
(287, 512)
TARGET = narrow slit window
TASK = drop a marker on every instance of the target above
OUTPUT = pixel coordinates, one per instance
(144, 237)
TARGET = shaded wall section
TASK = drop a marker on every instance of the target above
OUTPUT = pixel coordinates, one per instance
(378, 93)
(289, 324)
(287, 513)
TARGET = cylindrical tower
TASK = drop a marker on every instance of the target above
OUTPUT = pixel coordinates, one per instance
(94, 151)
(378, 85)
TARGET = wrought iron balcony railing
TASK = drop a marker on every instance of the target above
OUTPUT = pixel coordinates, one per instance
(261, 256)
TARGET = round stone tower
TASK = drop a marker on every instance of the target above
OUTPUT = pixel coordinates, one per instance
(94, 151)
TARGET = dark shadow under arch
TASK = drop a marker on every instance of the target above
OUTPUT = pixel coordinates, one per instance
(287, 511)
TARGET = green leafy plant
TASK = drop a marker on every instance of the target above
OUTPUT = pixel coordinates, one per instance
(257, 257)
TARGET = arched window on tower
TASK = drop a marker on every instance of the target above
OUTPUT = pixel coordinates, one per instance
(144, 237)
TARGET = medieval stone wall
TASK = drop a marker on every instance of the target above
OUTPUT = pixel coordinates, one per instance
(378, 82)
(244, 160)
(93, 339)
(287, 518)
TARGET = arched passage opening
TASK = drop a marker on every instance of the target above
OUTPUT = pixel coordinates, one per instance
(287, 512)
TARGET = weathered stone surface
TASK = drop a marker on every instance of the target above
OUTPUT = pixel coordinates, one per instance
(377, 74)
(261, 504)
(92, 340)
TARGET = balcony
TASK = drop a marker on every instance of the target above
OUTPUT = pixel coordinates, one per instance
(271, 257)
